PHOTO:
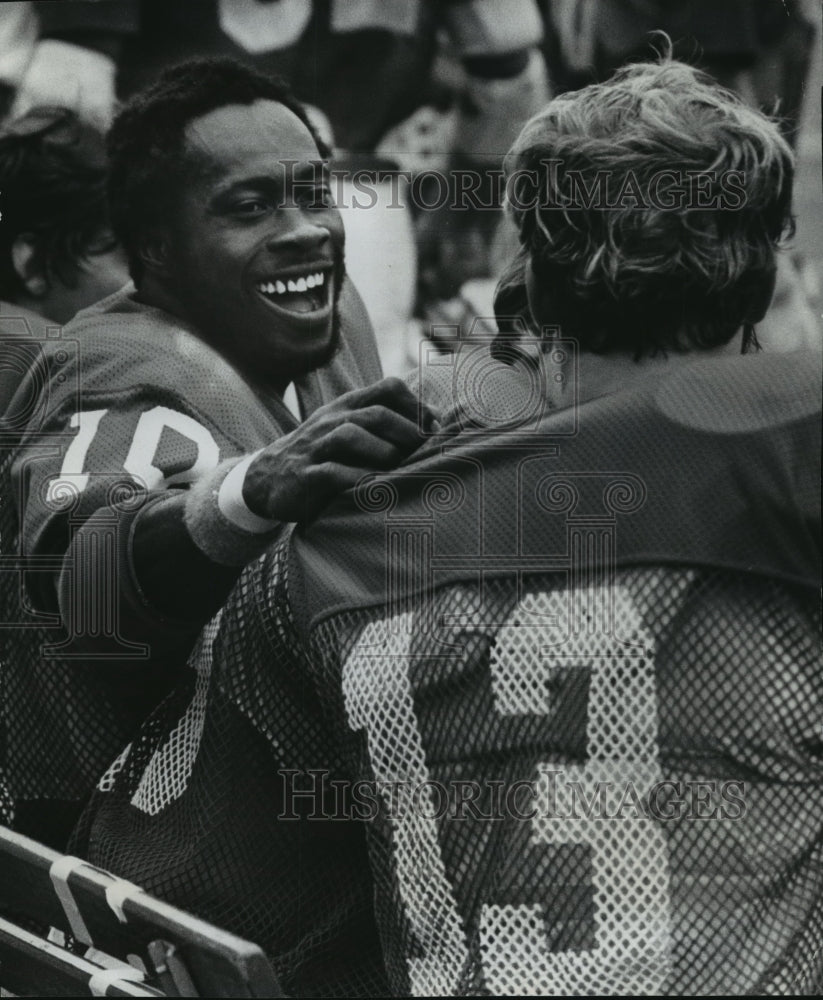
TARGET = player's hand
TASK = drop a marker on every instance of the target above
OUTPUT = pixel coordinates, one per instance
(366, 430)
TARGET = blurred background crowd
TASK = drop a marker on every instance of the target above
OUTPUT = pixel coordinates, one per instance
(406, 90)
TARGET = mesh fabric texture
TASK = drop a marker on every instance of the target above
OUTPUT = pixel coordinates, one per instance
(566, 750)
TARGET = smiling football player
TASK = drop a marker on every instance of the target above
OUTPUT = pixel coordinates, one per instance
(152, 453)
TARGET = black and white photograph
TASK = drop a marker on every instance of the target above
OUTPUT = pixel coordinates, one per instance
(410, 498)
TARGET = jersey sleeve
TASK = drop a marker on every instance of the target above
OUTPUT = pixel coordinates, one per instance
(107, 450)
(102, 455)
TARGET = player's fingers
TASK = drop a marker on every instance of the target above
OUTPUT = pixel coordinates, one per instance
(353, 445)
(394, 394)
(387, 389)
(389, 425)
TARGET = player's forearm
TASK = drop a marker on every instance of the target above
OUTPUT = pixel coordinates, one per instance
(180, 553)
(175, 577)
(176, 560)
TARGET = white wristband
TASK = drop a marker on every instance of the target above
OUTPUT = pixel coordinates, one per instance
(232, 505)
(218, 520)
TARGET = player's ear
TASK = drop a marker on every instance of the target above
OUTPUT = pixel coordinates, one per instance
(155, 251)
(27, 263)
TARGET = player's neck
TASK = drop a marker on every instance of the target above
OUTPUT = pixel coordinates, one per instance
(603, 374)
(158, 296)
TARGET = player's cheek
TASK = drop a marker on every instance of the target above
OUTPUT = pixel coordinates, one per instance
(334, 223)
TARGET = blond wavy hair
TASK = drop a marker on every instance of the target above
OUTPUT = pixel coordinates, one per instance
(623, 270)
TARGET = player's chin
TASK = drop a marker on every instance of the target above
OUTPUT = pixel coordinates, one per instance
(323, 355)
(308, 352)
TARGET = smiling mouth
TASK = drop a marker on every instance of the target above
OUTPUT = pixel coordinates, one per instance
(303, 294)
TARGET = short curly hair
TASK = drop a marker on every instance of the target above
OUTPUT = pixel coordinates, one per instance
(147, 168)
(632, 264)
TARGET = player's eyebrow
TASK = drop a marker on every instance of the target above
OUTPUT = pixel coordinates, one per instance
(266, 184)
(302, 171)
(265, 181)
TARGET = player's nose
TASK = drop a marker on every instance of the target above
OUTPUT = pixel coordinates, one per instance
(301, 236)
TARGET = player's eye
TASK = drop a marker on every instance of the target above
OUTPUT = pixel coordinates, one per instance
(250, 207)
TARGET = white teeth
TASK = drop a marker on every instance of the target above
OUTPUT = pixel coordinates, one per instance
(302, 284)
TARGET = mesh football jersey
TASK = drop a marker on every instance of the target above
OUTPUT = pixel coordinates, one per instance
(111, 413)
(564, 692)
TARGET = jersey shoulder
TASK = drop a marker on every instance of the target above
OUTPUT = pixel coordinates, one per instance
(121, 357)
(123, 342)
